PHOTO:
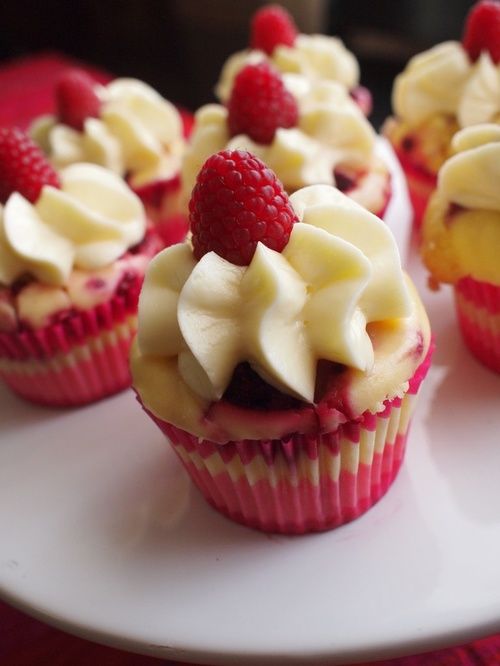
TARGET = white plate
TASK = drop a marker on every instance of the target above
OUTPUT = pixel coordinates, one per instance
(102, 535)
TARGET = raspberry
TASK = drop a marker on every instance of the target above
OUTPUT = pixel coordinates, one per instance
(23, 166)
(260, 103)
(237, 202)
(272, 26)
(482, 30)
(76, 98)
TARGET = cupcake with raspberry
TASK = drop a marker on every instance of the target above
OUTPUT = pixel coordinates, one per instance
(307, 131)
(461, 237)
(451, 86)
(124, 126)
(281, 349)
(74, 246)
(274, 38)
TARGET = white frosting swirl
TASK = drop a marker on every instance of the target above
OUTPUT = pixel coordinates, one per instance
(88, 223)
(443, 80)
(480, 102)
(317, 57)
(470, 178)
(138, 134)
(331, 130)
(433, 82)
(339, 271)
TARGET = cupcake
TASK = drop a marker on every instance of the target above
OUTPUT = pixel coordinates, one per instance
(451, 86)
(461, 237)
(73, 251)
(124, 126)
(274, 38)
(307, 131)
(281, 349)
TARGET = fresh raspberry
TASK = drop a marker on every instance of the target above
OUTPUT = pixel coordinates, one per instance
(272, 26)
(23, 166)
(237, 202)
(260, 103)
(76, 98)
(482, 30)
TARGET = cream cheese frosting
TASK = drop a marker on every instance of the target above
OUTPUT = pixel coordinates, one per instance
(316, 57)
(466, 241)
(337, 292)
(87, 224)
(138, 134)
(331, 130)
(443, 80)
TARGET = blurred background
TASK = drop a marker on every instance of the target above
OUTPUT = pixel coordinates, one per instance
(179, 46)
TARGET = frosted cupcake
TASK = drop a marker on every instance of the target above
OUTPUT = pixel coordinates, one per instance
(449, 87)
(73, 250)
(281, 352)
(274, 38)
(461, 237)
(307, 131)
(124, 126)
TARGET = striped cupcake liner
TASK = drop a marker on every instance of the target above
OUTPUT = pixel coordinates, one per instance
(78, 360)
(478, 310)
(304, 483)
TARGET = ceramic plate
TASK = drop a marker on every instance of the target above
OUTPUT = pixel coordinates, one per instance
(102, 534)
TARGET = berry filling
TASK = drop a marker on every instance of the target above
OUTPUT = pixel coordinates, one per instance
(248, 390)
(345, 179)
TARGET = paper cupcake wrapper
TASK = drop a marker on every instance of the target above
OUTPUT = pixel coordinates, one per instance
(478, 310)
(304, 483)
(420, 187)
(75, 361)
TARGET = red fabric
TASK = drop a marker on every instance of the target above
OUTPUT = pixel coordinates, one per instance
(26, 92)
(27, 642)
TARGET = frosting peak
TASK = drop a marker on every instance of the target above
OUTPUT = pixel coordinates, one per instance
(138, 134)
(88, 223)
(315, 57)
(443, 80)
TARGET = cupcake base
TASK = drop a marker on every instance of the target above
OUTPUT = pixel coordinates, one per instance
(478, 310)
(304, 483)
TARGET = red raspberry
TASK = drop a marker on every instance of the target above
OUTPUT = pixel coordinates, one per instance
(482, 30)
(237, 202)
(272, 26)
(23, 166)
(76, 98)
(260, 103)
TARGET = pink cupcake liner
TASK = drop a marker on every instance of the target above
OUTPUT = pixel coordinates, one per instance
(421, 185)
(304, 483)
(478, 310)
(80, 359)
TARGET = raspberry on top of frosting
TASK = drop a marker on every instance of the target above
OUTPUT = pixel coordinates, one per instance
(125, 126)
(274, 38)
(460, 79)
(329, 130)
(461, 232)
(316, 296)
